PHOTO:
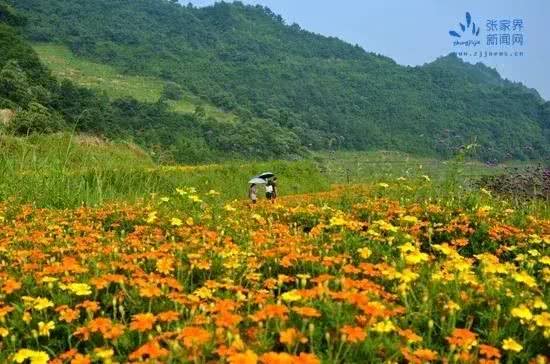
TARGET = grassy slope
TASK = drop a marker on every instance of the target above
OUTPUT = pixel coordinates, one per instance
(62, 171)
(65, 65)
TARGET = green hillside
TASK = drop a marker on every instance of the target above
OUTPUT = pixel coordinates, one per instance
(101, 77)
(323, 91)
(33, 101)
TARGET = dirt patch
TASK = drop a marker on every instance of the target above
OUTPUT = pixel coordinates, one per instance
(6, 115)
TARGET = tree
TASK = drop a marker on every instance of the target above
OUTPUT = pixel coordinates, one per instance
(37, 119)
(14, 84)
(172, 91)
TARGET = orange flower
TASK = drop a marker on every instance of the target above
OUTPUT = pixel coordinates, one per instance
(307, 311)
(83, 333)
(462, 338)
(115, 332)
(194, 336)
(269, 312)
(304, 358)
(249, 357)
(420, 356)
(168, 316)
(81, 359)
(142, 322)
(10, 286)
(277, 358)
(100, 324)
(165, 265)
(89, 306)
(489, 351)
(150, 291)
(227, 319)
(291, 336)
(68, 355)
(425, 355)
(353, 334)
(151, 350)
(68, 315)
(410, 336)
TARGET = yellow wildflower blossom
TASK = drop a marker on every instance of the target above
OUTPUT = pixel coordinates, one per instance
(511, 345)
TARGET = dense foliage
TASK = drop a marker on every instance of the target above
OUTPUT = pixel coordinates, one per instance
(44, 105)
(324, 92)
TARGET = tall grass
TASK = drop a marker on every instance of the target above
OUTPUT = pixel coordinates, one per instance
(448, 182)
(62, 171)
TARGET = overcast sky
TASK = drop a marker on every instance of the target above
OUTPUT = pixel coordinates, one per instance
(416, 32)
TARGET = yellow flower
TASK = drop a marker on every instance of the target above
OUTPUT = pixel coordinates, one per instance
(485, 208)
(384, 327)
(383, 225)
(35, 357)
(383, 185)
(523, 277)
(539, 303)
(229, 208)
(49, 279)
(164, 199)
(408, 276)
(522, 312)
(45, 328)
(511, 345)
(40, 303)
(409, 219)
(203, 293)
(176, 222)
(533, 252)
(195, 198)
(542, 320)
(27, 317)
(545, 260)
(151, 217)
(79, 289)
(443, 248)
(337, 221)
(452, 306)
(291, 296)
(416, 257)
(104, 353)
(190, 221)
(365, 252)
(4, 332)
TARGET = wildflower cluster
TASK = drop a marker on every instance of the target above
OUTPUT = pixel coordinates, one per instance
(193, 278)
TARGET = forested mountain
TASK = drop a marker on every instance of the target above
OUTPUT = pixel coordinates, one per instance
(41, 104)
(291, 88)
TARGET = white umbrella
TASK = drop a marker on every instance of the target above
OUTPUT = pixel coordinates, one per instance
(257, 181)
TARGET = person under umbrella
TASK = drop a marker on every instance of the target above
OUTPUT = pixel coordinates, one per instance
(252, 190)
(269, 191)
(252, 193)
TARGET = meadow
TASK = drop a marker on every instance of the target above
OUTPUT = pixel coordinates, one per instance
(103, 78)
(107, 258)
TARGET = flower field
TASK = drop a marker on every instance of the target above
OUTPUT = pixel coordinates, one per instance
(354, 275)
